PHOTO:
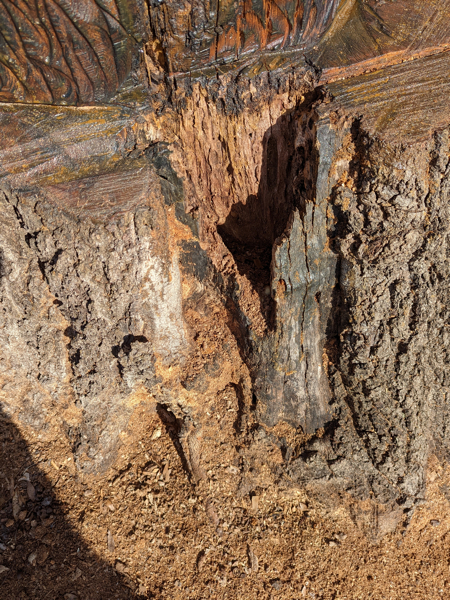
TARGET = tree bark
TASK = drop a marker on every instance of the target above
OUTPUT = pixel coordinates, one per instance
(243, 226)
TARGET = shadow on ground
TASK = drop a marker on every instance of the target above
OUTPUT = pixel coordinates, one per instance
(41, 555)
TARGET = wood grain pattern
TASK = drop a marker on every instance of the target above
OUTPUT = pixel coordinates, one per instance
(226, 30)
(79, 51)
(62, 51)
(373, 30)
(208, 36)
(271, 24)
(48, 145)
(396, 102)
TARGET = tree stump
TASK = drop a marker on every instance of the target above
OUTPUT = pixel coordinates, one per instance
(242, 200)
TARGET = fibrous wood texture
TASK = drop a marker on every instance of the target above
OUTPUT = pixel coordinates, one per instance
(260, 211)
(65, 52)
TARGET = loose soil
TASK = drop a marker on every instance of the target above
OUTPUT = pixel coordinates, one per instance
(146, 530)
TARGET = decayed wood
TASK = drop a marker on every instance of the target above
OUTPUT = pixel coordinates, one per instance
(261, 208)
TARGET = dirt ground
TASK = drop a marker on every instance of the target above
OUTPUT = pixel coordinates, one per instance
(145, 530)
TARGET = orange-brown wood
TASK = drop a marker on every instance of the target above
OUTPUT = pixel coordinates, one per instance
(63, 51)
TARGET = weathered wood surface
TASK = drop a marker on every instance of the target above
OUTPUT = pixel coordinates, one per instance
(404, 102)
(339, 36)
(63, 52)
(80, 51)
(261, 207)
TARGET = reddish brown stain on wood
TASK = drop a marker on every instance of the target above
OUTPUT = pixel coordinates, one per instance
(62, 52)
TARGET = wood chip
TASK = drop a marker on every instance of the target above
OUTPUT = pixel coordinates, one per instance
(252, 560)
(156, 434)
(42, 554)
(211, 512)
(194, 452)
(16, 504)
(31, 492)
(120, 567)
(255, 502)
(276, 583)
(111, 507)
(32, 558)
(3, 569)
(233, 470)
(166, 472)
(201, 559)
(110, 542)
